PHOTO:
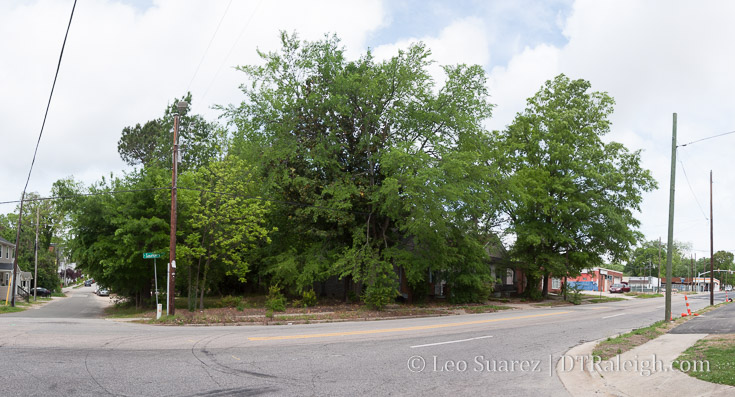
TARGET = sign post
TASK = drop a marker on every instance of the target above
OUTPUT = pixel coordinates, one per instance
(149, 255)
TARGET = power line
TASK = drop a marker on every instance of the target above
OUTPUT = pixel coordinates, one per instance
(709, 137)
(219, 69)
(85, 195)
(209, 45)
(293, 203)
(692, 190)
(48, 105)
(35, 152)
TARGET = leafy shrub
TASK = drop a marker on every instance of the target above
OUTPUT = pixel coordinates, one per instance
(309, 298)
(240, 306)
(229, 301)
(574, 294)
(276, 301)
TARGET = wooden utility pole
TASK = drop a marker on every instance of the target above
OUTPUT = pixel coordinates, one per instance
(171, 290)
(670, 248)
(14, 277)
(711, 247)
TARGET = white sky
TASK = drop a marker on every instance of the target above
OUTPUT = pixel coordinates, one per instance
(125, 60)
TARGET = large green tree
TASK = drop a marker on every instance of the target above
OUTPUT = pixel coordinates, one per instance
(223, 223)
(151, 143)
(570, 197)
(376, 170)
(50, 230)
(648, 254)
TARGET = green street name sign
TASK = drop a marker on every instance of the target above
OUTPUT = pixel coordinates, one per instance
(151, 255)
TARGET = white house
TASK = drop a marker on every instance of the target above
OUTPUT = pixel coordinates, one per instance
(7, 254)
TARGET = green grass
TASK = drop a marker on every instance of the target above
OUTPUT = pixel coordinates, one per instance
(622, 343)
(126, 311)
(602, 299)
(58, 294)
(551, 303)
(485, 308)
(10, 309)
(648, 296)
(714, 359)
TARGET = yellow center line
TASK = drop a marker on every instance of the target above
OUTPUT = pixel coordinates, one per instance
(403, 329)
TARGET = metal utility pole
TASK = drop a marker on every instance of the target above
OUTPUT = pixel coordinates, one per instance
(691, 272)
(658, 286)
(170, 292)
(711, 247)
(35, 270)
(670, 248)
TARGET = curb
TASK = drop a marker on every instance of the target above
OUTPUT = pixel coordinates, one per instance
(666, 348)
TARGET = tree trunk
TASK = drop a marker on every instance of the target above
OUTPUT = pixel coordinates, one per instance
(204, 283)
(545, 283)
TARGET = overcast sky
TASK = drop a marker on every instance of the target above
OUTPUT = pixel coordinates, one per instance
(126, 59)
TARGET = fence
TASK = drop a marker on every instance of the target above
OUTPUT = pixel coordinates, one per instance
(583, 285)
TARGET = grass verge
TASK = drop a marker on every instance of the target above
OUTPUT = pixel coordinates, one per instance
(593, 299)
(485, 308)
(713, 358)
(11, 309)
(643, 295)
(127, 311)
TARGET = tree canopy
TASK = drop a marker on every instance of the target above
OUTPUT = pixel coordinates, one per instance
(570, 198)
(384, 167)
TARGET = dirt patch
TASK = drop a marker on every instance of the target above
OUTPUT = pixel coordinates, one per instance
(322, 313)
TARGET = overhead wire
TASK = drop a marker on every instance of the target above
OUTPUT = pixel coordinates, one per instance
(692, 190)
(709, 137)
(208, 46)
(242, 31)
(101, 193)
(51, 95)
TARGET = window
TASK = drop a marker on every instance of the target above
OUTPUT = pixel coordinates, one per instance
(1, 251)
(555, 283)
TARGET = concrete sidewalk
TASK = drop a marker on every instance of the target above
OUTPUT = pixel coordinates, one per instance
(643, 371)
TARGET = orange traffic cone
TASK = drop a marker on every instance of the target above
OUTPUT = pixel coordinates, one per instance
(689, 311)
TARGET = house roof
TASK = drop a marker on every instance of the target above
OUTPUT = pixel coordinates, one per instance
(6, 242)
(6, 267)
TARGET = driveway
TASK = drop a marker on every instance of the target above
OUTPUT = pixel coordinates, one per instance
(79, 303)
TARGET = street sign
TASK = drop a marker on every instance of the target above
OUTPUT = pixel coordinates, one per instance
(151, 255)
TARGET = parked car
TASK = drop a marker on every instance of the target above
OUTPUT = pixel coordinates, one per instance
(103, 291)
(619, 288)
(88, 283)
(40, 291)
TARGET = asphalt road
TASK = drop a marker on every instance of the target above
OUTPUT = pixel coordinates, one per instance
(505, 353)
(717, 321)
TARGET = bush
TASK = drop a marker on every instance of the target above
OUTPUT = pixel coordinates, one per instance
(309, 298)
(377, 296)
(229, 301)
(471, 289)
(574, 294)
(276, 301)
